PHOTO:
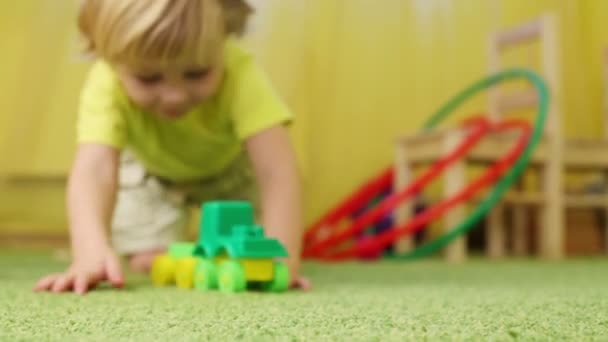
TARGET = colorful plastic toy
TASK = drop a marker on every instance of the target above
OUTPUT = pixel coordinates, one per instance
(498, 178)
(479, 127)
(232, 254)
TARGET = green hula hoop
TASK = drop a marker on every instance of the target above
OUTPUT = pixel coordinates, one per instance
(510, 177)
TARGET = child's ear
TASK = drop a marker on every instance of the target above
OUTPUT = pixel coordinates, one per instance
(236, 14)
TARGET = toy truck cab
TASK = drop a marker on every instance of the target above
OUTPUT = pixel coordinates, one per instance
(232, 253)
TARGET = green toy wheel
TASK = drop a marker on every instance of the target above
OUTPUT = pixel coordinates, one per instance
(205, 275)
(232, 277)
(163, 270)
(280, 278)
(184, 273)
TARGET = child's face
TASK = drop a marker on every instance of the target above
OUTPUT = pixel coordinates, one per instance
(169, 91)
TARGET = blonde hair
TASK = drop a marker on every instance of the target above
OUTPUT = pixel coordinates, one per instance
(160, 30)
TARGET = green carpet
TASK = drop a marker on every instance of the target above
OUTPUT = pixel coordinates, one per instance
(427, 300)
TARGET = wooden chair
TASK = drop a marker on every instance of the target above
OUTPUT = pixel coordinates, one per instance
(553, 156)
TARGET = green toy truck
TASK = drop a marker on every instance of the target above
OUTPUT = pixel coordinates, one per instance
(232, 254)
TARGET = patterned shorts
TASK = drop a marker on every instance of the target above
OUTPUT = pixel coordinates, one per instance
(151, 212)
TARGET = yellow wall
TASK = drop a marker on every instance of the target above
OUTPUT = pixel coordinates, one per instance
(595, 38)
(41, 74)
(357, 73)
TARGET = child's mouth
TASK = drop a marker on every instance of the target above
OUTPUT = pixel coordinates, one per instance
(172, 114)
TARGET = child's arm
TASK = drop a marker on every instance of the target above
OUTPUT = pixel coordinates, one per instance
(91, 197)
(276, 170)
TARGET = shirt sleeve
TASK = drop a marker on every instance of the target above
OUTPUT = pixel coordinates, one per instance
(256, 104)
(99, 117)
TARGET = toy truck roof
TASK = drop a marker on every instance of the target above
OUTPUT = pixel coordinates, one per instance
(255, 248)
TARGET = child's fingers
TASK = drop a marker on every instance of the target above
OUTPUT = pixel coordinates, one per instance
(114, 272)
(81, 283)
(305, 284)
(63, 283)
(45, 283)
(302, 284)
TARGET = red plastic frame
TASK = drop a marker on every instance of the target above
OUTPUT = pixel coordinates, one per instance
(374, 245)
(357, 200)
(478, 128)
(380, 242)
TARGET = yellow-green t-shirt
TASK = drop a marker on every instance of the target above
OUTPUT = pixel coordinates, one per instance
(202, 142)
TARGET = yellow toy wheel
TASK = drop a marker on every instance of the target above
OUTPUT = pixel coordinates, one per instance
(163, 270)
(184, 274)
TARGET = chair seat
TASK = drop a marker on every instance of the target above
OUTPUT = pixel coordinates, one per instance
(579, 154)
(599, 201)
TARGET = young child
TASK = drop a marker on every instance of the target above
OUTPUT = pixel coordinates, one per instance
(173, 113)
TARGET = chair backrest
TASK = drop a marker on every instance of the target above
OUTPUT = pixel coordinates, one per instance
(543, 31)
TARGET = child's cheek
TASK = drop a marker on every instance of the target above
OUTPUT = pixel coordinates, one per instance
(141, 95)
(209, 86)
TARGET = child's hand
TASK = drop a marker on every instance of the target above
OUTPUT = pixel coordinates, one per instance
(297, 282)
(85, 272)
(300, 283)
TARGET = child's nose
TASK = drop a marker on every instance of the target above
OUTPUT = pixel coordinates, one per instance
(174, 96)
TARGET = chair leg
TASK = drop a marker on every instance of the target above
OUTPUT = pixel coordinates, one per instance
(455, 178)
(404, 212)
(606, 231)
(551, 238)
(520, 231)
(495, 246)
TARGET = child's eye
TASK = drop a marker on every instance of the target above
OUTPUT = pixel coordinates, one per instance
(196, 74)
(150, 79)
